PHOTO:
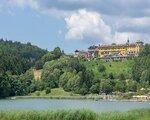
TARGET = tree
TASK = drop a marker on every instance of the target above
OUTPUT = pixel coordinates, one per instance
(5, 86)
(64, 78)
(17, 58)
(16, 86)
(57, 52)
(74, 84)
(48, 90)
(57, 73)
(111, 76)
(39, 65)
(40, 85)
(84, 89)
(75, 64)
(49, 79)
(48, 57)
(85, 82)
(105, 86)
(145, 51)
(120, 86)
(122, 77)
(145, 76)
(141, 64)
(131, 86)
(95, 88)
(101, 68)
(27, 80)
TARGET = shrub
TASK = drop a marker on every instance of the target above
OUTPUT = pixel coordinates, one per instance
(48, 90)
(101, 68)
(37, 93)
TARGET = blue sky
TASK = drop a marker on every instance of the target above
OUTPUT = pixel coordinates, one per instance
(74, 24)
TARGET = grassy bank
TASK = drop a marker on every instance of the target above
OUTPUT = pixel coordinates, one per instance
(74, 115)
(57, 97)
(57, 93)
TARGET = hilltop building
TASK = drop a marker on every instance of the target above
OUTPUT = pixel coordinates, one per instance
(113, 51)
(82, 53)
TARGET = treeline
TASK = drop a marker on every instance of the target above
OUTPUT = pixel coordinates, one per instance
(17, 81)
(65, 71)
(73, 76)
(16, 58)
(141, 67)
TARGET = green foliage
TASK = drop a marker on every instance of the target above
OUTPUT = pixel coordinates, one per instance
(16, 57)
(64, 78)
(76, 75)
(37, 93)
(131, 86)
(16, 86)
(143, 114)
(120, 86)
(5, 87)
(48, 57)
(145, 76)
(130, 115)
(68, 73)
(111, 76)
(39, 64)
(74, 64)
(26, 82)
(101, 68)
(53, 55)
(122, 77)
(51, 73)
(145, 51)
(95, 89)
(141, 67)
(48, 90)
(106, 86)
(85, 82)
(116, 68)
(49, 115)
(57, 53)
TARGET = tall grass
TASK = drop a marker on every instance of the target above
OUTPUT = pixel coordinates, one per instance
(74, 115)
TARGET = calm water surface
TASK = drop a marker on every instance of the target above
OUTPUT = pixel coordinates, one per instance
(51, 104)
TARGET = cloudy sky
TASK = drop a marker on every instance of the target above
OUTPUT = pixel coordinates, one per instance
(74, 24)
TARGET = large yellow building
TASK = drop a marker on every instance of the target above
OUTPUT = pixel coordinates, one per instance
(116, 51)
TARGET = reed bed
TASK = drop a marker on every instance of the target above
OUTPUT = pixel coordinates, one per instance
(143, 114)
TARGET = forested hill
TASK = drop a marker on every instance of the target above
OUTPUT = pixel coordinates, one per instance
(16, 57)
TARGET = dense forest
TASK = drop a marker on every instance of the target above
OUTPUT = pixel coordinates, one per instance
(64, 71)
(16, 57)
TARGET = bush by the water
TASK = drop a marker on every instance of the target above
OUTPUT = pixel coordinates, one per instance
(74, 115)
(48, 90)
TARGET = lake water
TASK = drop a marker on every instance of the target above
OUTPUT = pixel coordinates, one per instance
(52, 104)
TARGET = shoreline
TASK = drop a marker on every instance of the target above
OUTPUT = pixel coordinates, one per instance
(94, 98)
(56, 97)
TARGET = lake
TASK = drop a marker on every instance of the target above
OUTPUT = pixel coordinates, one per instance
(53, 104)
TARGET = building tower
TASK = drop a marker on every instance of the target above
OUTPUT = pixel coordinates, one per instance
(128, 41)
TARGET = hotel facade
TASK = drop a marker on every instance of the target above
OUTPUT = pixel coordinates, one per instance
(112, 52)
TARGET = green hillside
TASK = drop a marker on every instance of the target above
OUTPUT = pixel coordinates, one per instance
(73, 75)
(16, 58)
(115, 67)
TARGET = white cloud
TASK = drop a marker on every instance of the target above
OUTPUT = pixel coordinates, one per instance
(84, 21)
(84, 24)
